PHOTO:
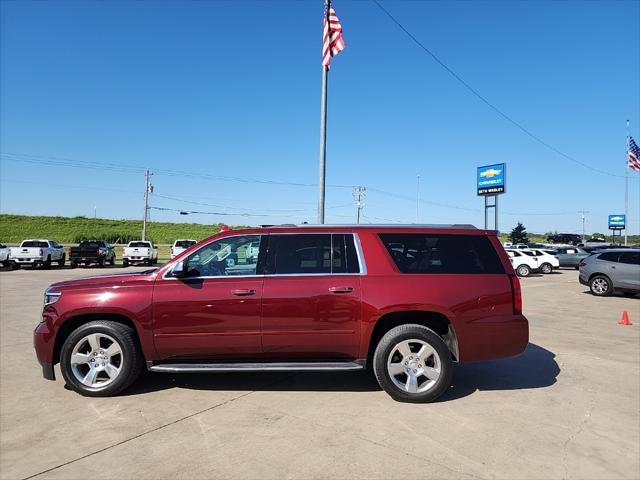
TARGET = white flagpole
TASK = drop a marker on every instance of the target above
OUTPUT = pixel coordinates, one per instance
(626, 188)
(323, 146)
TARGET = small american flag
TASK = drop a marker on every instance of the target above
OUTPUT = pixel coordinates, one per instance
(633, 156)
(332, 41)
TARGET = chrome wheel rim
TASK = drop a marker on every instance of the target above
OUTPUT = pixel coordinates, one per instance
(96, 360)
(414, 366)
(599, 285)
(546, 268)
(522, 271)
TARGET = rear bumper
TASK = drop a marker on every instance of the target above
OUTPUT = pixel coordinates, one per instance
(583, 281)
(492, 338)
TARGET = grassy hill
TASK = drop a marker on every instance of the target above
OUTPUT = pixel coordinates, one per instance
(15, 228)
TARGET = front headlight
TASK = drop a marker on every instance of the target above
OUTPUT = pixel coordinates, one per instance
(51, 297)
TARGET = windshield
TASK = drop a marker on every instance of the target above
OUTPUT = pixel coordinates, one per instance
(139, 244)
(34, 244)
(90, 245)
(184, 243)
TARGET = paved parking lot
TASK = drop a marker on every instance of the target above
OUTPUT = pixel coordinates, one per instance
(569, 407)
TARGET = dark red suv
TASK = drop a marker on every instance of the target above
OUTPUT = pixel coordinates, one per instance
(407, 301)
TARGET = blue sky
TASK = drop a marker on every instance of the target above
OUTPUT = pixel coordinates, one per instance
(226, 95)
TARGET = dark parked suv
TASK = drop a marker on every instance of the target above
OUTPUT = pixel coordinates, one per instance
(406, 301)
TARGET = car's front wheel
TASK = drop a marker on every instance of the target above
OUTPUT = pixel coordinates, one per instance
(100, 358)
(413, 364)
(62, 260)
(523, 271)
(601, 286)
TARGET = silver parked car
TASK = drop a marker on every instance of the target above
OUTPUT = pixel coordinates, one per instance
(569, 256)
(612, 270)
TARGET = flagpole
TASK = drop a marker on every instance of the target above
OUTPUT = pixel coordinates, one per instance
(626, 190)
(323, 146)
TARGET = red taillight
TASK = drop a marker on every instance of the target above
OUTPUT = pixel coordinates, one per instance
(582, 264)
(516, 294)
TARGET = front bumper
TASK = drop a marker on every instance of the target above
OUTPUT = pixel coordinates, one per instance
(43, 342)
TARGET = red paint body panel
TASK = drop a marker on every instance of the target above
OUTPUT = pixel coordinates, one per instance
(295, 316)
(301, 317)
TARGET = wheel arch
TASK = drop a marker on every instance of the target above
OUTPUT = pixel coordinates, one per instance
(72, 323)
(436, 321)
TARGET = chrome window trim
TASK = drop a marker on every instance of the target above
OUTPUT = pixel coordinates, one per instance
(356, 238)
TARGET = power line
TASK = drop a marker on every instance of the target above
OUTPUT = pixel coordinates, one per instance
(487, 102)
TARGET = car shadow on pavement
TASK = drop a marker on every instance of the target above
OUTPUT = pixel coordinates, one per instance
(535, 368)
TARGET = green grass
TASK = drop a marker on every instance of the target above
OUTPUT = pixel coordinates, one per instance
(15, 228)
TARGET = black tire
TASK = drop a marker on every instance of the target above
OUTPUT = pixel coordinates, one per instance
(15, 266)
(601, 286)
(386, 347)
(546, 268)
(63, 260)
(113, 260)
(47, 263)
(125, 262)
(131, 359)
(101, 262)
(73, 264)
(523, 271)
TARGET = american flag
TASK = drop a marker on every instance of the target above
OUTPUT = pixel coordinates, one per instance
(332, 41)
(633, 156)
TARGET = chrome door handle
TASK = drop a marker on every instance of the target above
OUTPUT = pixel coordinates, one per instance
(243, 292)
(341, 289)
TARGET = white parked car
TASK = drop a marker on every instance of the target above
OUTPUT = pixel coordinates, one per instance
(139, 252)
(37, 252)
(4, 255)
(180, 246)
(546, 261)
(523, 264)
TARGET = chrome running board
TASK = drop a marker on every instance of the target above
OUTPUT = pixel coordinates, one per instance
(257, 367)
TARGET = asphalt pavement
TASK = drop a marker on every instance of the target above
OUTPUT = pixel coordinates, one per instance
(568, 408)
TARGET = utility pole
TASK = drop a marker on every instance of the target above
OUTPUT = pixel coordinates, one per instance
(582, 213)
(358, 195)
(418, 201)
(148, 188)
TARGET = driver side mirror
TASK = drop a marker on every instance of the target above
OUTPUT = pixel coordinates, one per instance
(178, 270)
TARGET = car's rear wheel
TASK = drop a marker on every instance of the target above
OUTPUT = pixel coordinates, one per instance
(47, 263)
(523, 271)
(125, 262)
(601, 286)
(546, 268)
(100, 358)
(413, 364)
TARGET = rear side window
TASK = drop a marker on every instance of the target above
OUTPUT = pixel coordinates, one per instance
(426, 253)
(609, 256)
(311, 254)
(632, 258)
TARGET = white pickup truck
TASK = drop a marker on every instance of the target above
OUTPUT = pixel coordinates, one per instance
(37, 252)
(139, 252)
(4, 255)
